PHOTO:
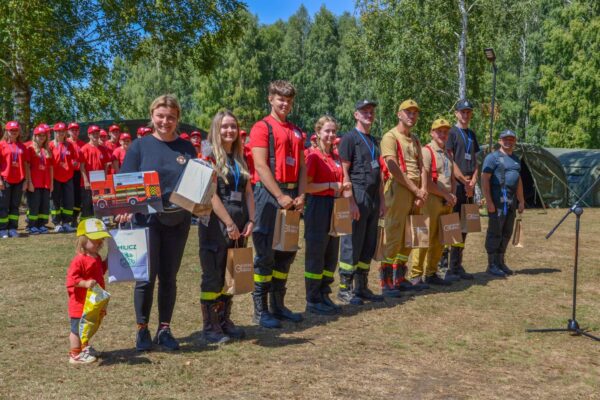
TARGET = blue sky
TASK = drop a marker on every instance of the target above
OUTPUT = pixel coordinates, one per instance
(269, 11)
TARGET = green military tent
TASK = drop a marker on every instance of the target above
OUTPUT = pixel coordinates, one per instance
(582, 168)
(544, 180)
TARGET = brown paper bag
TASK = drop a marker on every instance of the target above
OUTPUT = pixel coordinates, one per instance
(517, 239)
(287, 230)
(416, 231)
(469, 218)
(341, 220)
(239, 274)
(380, 243)
(450, 232)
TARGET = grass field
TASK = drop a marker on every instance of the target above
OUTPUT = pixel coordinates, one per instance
(467, 341)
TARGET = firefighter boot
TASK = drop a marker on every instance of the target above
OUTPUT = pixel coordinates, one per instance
(262, 316)
(503, 265)
(346, 293)
(386, 280)
(212, 331)
(361, 287)
(278, 308)
(227, 324)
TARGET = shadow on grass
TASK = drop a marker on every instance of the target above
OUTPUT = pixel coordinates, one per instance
(123, 356)
(537, 271)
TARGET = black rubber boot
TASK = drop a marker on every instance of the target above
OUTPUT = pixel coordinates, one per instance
(212, 331)
(227, 324)
(503, 265)
(346, 294)
(278, 308)
(262, 316)
(361, 287)
(325, 299)
(386, 281)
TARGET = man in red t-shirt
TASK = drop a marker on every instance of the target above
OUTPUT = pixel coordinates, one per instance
(114, 133)
(73, 130)
(94, 157)
(280, 175)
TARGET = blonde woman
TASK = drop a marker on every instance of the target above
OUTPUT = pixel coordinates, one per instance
(39, 187)
(162, 151)
(229, 225)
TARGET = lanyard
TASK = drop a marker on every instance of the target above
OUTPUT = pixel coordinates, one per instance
(235, 169)
(467, 142)
(371, 149)
(62, 149)
(14, 152)
(42, 157)
(505, 200)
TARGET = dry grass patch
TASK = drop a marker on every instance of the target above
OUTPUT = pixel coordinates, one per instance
(468, 341)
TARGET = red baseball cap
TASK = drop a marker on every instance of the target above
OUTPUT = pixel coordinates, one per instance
(195, 133)
(59, 126)
(12, 126)
(243, 133)
(313, 138)
(125, 136)
(337, 141)
(114, 128)
(103, 133)
(93, 129)
(184, 136)
(73, 125)
(40, 130)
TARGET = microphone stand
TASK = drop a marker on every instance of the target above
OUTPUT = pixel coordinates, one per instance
(572, 325)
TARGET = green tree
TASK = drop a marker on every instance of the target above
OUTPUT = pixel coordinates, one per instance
(569, 110)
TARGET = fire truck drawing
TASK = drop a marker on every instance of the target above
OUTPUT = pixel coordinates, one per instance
(126, 189)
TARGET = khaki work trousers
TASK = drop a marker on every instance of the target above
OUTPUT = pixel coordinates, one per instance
(399, 202)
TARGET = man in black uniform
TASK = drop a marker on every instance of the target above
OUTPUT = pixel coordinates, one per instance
(462, 146)
(360, 163)
(501, 181)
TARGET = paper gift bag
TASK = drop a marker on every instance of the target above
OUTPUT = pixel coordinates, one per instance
(128, 255)
(196, 187)
(341, 220)
(450, 232)
(469, 218)
(239, 274)
(517, 239)
(416, 231)
(94, 309)
(287, 230)
(380, 243)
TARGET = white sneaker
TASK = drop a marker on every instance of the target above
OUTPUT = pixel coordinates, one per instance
(82, 358)
(59, 229)
(91, 351)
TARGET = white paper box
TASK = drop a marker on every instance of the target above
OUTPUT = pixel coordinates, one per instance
(196, 187)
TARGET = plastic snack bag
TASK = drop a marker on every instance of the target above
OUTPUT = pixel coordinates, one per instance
(94, 310)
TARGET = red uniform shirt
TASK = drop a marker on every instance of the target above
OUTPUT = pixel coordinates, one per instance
(111, 146)
(324, 168)
(119, 155)
(77, 146)
(65, 156)
(95, 158)
(83, 268)
(289, 144)
(12, 161)
(40, 166)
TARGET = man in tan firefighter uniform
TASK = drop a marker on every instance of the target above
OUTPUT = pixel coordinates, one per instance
(441, 188)
(405, 191)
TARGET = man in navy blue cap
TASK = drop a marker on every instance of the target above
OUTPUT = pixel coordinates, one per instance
(462, 146)
(501, 182)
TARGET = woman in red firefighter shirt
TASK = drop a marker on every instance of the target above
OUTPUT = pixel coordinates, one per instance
(41, 163)
(13, 171)
(324, 181)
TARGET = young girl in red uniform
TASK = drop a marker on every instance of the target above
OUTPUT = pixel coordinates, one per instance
(65, 156)
(324, 182)
(77, 143)
(119, 152)
(87, 270)
(13, 171)
(40, 186)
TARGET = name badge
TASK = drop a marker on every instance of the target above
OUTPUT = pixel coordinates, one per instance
(15, 164)
(42, 167)
(235, 196)
(375, 164)
(291, 161)
(467, 157)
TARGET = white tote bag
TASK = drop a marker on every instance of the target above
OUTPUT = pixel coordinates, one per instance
(128, 255)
